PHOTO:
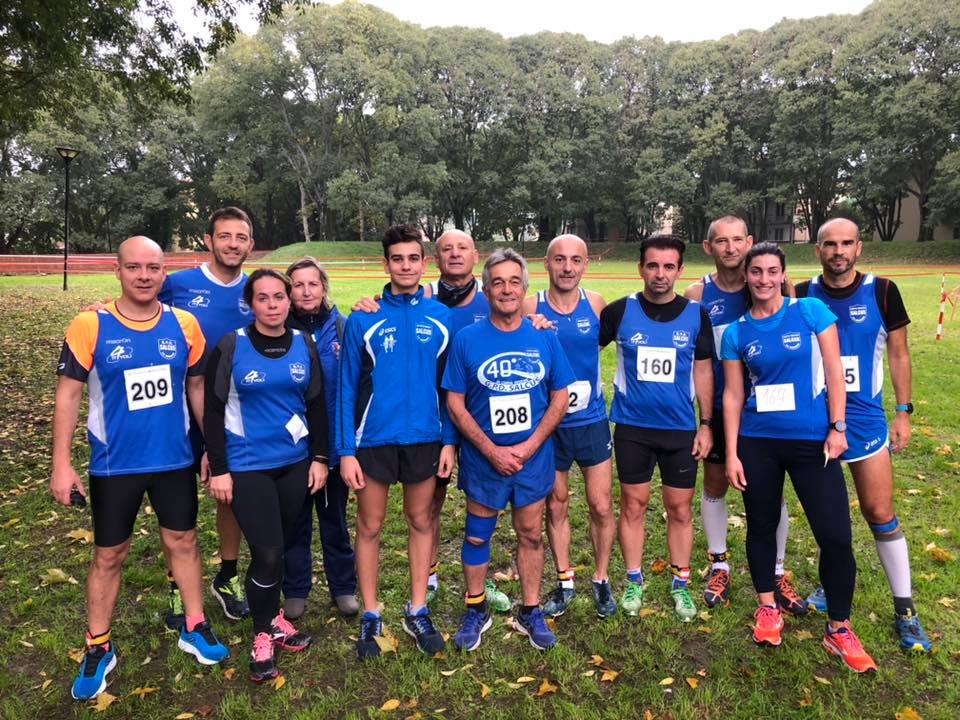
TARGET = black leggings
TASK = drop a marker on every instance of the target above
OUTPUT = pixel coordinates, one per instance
(267, 504)
(823, 495)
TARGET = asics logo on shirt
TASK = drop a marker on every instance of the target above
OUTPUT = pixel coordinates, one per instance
(199, 301)
(254, 377)
(120, 352)
(858, 313)
(511, 372)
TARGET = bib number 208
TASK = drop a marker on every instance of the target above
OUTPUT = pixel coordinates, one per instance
(510, 413)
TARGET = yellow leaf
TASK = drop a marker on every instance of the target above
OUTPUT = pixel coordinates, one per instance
(141, 691)
(448, 673)
(514, 686)
(705, 615)
(589, 673)
(416, 716)
(596, 660)
(693, 682)
(484, 690)
(735, 520)
(702, 672)
(228, 674)
(26, 644)
(658, 566)
(146, 661)
(390, 705)
(822, 680)
(705, 629)
(913, 491)
(103, 701)
(278, 682)
(908, 713)
(667, 681)
(10, 523)
(947, 602)
(647, 612)
(609, 676)
(82, 536)
(184, 716)
(942, 532)
(46, 684)
(525, 679)
(546, 688)
(411, 703)
(647, 715)
(54, 576)
(552, 624)
(805, 701)
(939, 554)
(387, 643)
(804, 635)
(76, 654)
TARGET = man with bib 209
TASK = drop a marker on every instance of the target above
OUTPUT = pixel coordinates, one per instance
(870, 316)
(506, 386)
(142, 361)
(664, 360)
(584, 433)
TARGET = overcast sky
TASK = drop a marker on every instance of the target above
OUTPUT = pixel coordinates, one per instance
(601, 20)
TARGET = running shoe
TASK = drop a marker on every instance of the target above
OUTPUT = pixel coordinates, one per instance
(202, 644)
(229, 593)
(496, 599)
(717, 591)
(817, 601)
(844, 643)
(98, 662)
(683, 604)
(558, 601)
(787, 598)
(286, 636)
(472, 628)
(767, 624)
(420, 627)
(263, 661)
(632, 598)
(175, 618)
(603, 601)
(534, 626)
(910, 632)
(347, 604)
(371, 627)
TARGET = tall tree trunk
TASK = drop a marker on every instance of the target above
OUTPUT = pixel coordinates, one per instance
(304, 218)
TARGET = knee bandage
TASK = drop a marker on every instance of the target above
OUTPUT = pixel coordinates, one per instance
(477, 528)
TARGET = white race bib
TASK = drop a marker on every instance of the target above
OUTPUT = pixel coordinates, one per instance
(148, 387)
(580, 393)
(656, 364)
(851, 372)
(296, 428)
(510, 413)
(775, 398)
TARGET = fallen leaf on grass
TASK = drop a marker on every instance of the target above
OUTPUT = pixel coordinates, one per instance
(387, 643)
(142, 691)
(609, 676)
(647, 612)
(589, 673)
(546, 688)
(390, 705)
(411, 703)
(523, 680)
(647, 715)
(505, 576)
(947, 602)
(822, 680)
(929, 577)
(228, 674)
(944, 450)
(735, 520)
(702, 672)
(10, 523)
(146, 661)
(658, 566)
(278, 682)
(806, 700)
(184, 716)
(705, 615)
(76, 654)
(55, 576)
(82, 536)
(804, 635)
(103, 701)
(205, 711)
(693, 682)
(596, 660)
(26, 644)
(705, 629)
(484, 691)
(942, 532)
(667, 681)
(908, 713)
(939, 554)
(913, 491)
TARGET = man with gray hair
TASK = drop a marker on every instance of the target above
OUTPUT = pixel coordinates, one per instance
(506, 388)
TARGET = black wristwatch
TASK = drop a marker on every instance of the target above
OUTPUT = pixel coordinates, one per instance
(838, 425)
(706, 421)
(906, 407)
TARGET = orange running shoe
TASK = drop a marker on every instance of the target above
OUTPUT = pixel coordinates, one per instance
(767, 626)
(844, 642)
(789, 599)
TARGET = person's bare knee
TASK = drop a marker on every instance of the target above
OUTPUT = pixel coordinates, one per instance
(110, 559)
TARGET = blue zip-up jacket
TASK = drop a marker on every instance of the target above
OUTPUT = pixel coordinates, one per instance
(391, 362)
(327, 338)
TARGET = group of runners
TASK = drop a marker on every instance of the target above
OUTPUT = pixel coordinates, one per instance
(259, 386)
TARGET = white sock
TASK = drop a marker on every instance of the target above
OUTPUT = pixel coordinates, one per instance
(433, 581)
(713, 512)
(782, 529)
(896, 564)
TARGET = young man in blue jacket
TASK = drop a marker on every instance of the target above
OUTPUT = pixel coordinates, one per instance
(392, 426)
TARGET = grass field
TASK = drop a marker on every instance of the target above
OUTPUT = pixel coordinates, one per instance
(707, 669)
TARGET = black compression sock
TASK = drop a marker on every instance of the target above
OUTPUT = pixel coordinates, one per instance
(228, 569)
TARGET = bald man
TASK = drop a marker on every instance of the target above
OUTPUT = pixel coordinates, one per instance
(584, 433)
(870, 316)
(143, 362)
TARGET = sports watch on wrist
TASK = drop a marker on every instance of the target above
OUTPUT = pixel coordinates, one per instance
(838, 425)
(906, 407)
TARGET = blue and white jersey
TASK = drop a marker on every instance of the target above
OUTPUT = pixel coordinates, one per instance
(787, 397)
(506, 379)
(138, 420)
(327, 339)
(390, 367)
(653, 382)
(579, 335)
(219, 308)
(863, 338)
(265, 413)
(722, 308)
(463, 315)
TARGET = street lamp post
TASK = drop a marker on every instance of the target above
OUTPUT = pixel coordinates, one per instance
(67, 154)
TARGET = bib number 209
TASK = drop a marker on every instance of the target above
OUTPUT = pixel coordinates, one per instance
(510, 413)
(148, 387)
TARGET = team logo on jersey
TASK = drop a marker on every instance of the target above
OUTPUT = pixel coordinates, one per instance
(477, 317)
(389, 342)
(511, 372)
(584, 325)
(716, 310)
(424, 332)
(681, 338)
(120, 352)
(858, 313)
(791, 341)
(298, 371)
(199, 301)
(753, 350)
(243, 307)
(167, 348)
(254, 377)
(639, 339)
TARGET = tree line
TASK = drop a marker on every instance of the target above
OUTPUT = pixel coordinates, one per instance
(334, 121)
